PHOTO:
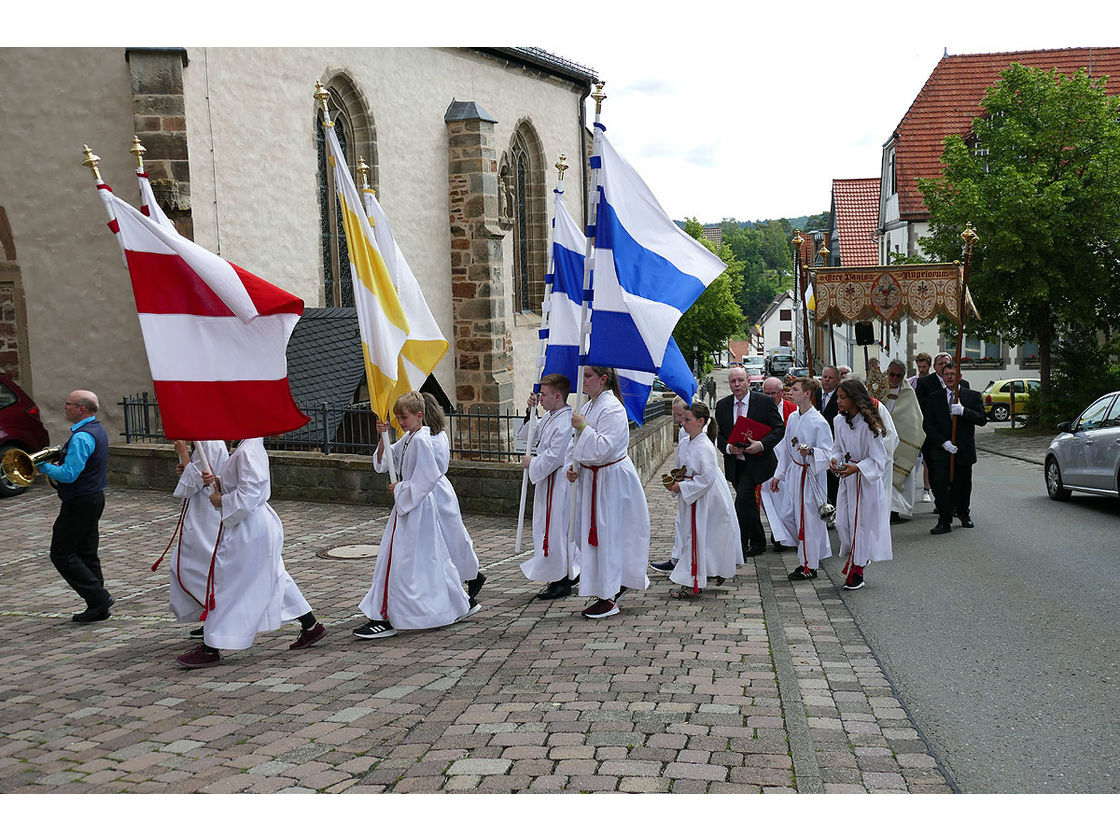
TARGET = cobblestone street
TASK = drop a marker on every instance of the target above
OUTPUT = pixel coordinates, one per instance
(759, 686)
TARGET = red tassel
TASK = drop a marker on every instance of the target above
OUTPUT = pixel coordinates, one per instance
(205, 613)
(155, 565)
(593, 535)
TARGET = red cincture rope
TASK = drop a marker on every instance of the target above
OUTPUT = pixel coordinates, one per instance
(548, 510)
(801, 527)
(178, 532)
(593, 534)
(855, 527)
(388, 568)
(695, 555)
(210, 602)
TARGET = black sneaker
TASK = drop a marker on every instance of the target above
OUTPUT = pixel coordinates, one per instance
(800, 574)
(196, 633)
(475, 586)
(666, 566)
(98, 613)
(375, 630)
(556, 589)
(855, 581)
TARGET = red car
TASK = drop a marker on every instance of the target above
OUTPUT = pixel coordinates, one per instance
(20, 427)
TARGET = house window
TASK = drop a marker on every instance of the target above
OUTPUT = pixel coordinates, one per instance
(785, 338)
(356, 137)
(977, 350)
(785, 314)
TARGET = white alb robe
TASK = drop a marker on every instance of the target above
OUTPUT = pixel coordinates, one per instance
(710, 543)
(803, 480)
(621, 511)
(552, 501)
(862, 514)
(890, 443)
(415, 584)
(778, 504)
(189, 565)
(253, 592)
(459, 543)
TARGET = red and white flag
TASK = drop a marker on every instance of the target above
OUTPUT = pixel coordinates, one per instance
(216, 335)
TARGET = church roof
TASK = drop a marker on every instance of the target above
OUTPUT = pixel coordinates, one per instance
(950, 100)
(855, 215)
(539, 59)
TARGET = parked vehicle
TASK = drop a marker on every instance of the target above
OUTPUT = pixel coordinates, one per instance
(20, 427)
(778, 364)
(800, 371)
(758, 361)
(1085, 456)
(755, 382)
(997, 396)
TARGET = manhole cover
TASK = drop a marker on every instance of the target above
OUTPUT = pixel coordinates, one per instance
(350, 552)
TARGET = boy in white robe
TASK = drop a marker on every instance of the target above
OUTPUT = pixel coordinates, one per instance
(415, 585)
(711, 548)
(189, 567)
(859, 458)
(679, 407)
(459, 543)
(248, 589)
(554, 557)
(803, 457)
(612, 529)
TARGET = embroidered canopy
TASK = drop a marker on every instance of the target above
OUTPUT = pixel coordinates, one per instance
(889, 292)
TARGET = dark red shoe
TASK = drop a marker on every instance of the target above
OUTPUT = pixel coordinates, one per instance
(199, 657)
(601, 609)
(307, 638)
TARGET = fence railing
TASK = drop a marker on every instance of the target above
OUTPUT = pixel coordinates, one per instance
(477, 433)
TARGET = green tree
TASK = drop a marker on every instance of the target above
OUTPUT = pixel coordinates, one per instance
(715, 316)
(819, 221)
(1039, 178)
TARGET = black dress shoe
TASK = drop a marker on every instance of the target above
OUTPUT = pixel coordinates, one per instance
(99, 613)
(475, 586)
(556, 589)
(967, 523)
(754, 551)
(941, 528)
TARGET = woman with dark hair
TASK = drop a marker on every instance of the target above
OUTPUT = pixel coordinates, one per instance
(859, 458)
(612, 528)
(710, 544)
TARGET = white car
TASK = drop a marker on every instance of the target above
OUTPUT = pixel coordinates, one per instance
(1085, 456)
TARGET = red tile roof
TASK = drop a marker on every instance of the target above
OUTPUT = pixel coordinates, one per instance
(950, 100)
(855, 213)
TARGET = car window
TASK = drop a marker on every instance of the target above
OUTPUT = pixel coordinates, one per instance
(1033, 385)
(1017, 386)
(1005, 388)
(1094, 415)
(1112, 419)
(7, 396)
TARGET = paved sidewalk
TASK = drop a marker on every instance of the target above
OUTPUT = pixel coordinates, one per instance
(1027, 445)
(759, 687)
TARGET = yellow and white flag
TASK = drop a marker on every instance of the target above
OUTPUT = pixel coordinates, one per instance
(382, 323)
(425, 344)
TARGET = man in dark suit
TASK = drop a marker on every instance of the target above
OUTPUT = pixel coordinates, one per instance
(951, 496)
(830, 379)
(934, 381)
(747, 467)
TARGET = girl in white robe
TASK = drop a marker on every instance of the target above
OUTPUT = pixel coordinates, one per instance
(249, 591)
(459, 543)
(710, 544)
(554, 557)
(415, 585)
(803, 457)
(612, 529)
(679, 407)
(189, 566)
(859, 457)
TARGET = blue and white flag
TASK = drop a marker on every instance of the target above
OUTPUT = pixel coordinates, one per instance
(569, 247)
(647, 270)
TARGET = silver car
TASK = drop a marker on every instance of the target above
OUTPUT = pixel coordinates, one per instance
(1086, 455)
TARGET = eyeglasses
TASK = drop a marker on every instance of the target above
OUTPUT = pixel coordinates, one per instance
(894, 375)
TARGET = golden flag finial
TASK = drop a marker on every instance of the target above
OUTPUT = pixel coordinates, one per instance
(363, 173)
(91, 160)
(561, 166)
(138, 150)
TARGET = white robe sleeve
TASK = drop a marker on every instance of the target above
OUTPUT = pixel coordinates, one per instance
(707, 471)
(422, 474)
(553, 449)
(874, 462)
(606, 435)
(253, 485)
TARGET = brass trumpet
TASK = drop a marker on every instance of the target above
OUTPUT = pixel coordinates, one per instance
(20, 469)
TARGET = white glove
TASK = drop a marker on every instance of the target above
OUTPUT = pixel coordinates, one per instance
(957, 409)
(949, 447)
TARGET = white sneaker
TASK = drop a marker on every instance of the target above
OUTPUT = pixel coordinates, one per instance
(926, 497)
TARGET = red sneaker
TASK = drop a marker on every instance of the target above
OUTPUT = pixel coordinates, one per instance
(601, 609)
(199, 657)
(307, 638)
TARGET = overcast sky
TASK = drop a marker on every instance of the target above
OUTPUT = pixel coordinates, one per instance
(727, 109)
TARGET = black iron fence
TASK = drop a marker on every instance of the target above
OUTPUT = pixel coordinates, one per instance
(477, 433)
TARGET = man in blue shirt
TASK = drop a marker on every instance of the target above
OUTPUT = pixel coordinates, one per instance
(81, 480)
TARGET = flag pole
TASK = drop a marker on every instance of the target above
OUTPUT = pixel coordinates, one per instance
(969, 236)
(588, 280)
(323, 95)
(367, 194)
(137, 149)
(546, 319)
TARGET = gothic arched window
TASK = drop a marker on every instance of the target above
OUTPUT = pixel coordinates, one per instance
(355, 131)
(530, 218)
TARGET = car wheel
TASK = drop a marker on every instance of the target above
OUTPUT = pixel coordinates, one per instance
(1000, 412)
(7, 488)
(1054, 487)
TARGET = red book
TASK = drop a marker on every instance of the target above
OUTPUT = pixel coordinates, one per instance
(745, 428)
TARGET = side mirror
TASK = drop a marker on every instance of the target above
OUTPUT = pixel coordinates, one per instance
(1065, 426)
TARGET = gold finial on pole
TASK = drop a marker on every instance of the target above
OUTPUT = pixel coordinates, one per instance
(969, 236)
(797, 240)
(823, 253)
(363, 172)
(561, 166)
(323, 95)
(91, 160)
(138, 150)
(598, 96)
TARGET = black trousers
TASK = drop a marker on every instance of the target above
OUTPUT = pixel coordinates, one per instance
(74, 543)
(746, 510)
(950, 498)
